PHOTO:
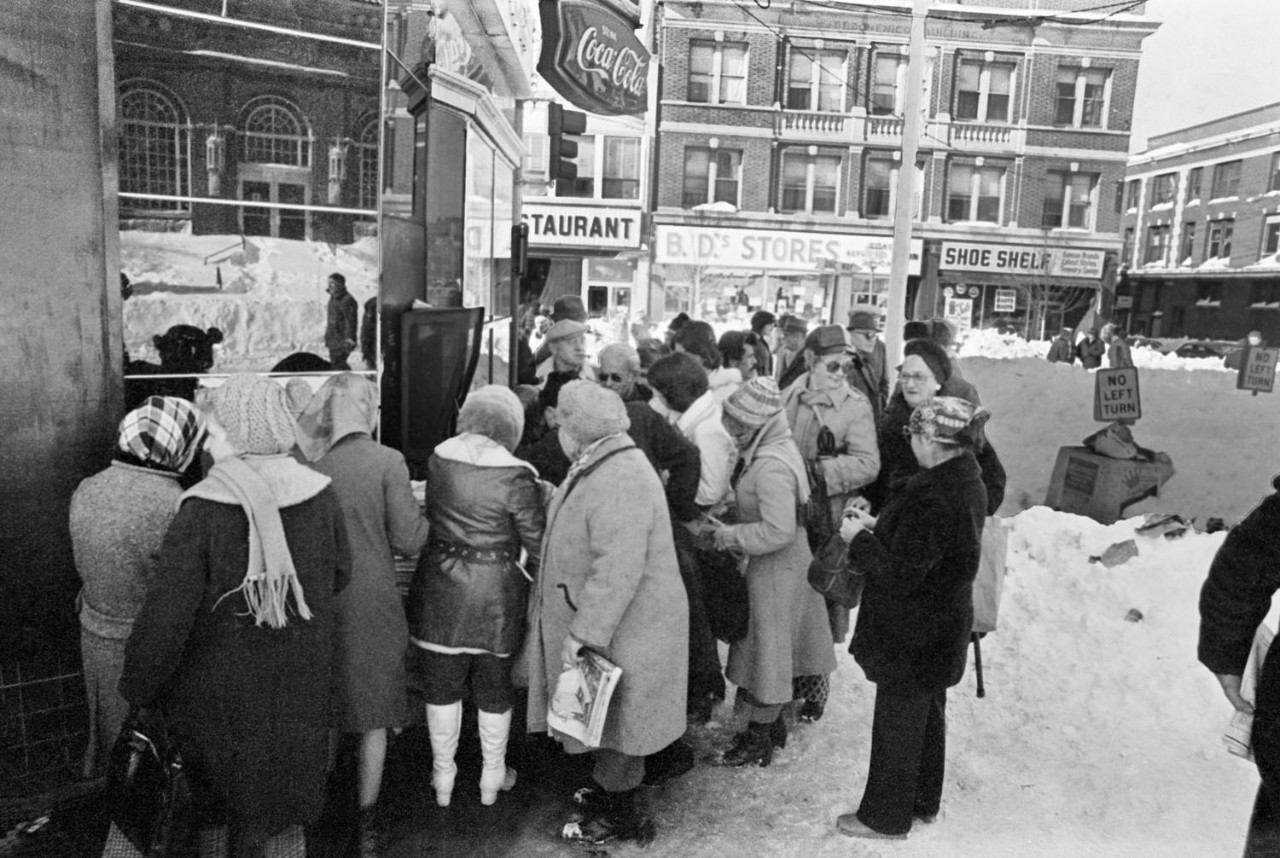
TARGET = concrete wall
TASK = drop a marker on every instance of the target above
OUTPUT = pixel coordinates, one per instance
(60, 331)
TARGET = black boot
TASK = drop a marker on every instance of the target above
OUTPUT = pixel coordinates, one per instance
(778, 733)
(752, 747)
(611, 816)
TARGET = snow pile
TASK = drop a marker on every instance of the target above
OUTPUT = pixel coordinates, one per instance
(988, 342)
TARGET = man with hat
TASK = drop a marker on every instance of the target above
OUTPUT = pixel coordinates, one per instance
(868, 372)
(1063, 350)
(567, 346)
(789, 351)
(564, 307)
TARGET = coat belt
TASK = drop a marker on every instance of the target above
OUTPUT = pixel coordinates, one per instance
(449, 548)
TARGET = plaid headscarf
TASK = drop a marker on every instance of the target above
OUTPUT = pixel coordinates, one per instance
(164, 432)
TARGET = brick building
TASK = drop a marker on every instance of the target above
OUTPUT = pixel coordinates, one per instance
(1201, 228)
(779, 150)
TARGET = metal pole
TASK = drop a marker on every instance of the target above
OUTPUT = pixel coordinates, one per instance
(513, 299)
(904, 208)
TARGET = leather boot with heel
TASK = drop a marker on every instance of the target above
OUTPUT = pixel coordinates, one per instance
(495, 776)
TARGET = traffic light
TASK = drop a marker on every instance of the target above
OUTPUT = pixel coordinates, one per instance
(563, 149)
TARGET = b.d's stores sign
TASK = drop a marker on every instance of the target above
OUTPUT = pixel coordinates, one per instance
(776, 250)
(581, 226)
(591, 57)
(1012, 259)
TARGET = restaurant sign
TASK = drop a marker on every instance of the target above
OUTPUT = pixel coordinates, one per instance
(591, 56)
(1015, 259)
(581, 226)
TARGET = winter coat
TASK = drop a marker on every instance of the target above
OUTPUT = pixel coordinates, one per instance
(849, 416)
(869, 375)
(250, 706)
(1061, 351)
(723, 382)
(1118, 353)
(610, 578)
(701, 423)
(381, 516)
(1090, 351)
(118, 519)
(898, 464)
(586, 372)
(788, 633)
(673, 457)
(913, 625)
(469, 591)
(341, 331)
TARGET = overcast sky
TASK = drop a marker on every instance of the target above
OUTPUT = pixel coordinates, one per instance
(1210, 58)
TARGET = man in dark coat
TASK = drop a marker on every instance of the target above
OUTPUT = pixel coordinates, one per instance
(1090, 350)
(340, 332)
(868, 372)
(1118, 354)
(1236, 596)
(1062, 351)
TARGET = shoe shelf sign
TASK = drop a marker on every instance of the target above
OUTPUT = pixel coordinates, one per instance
(1116, 396)
(1258, 370)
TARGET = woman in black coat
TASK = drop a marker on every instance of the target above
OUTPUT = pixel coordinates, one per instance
(920, 558)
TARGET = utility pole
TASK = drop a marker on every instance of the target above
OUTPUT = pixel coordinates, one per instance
(904, 209)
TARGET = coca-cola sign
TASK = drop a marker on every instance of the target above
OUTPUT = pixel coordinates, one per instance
(591, 56)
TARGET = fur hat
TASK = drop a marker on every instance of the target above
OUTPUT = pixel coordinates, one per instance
(754, 402)
(948, 420)
(255, 412)
(932, 354)
(589, 411)
(563, 329)
(495, 412)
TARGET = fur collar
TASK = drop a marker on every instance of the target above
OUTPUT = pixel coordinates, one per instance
(479, 450)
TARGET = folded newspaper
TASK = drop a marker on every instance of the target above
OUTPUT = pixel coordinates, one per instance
(581, 700)
(1238, 736)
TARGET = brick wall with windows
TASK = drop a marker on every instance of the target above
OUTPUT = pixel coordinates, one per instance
(753, 194)
(762, 57)
(1042, 177)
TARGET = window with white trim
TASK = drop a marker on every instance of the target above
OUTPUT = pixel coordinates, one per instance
(584, 185)
(621, 178)
(983, 90)
(717, 72)
(880, 187)
(888, 87)
(1271, 235)
(1069, 201)
(536, 156)
(1163, 189)
(1133, 192)
(274, 132)
(1083, 96)
(1188, 249)
(711, 176)
(1157, 251)
(810, 182)
(155, 149)
(366, 146)
(1195, 177)
(975, 193)
(1218, 240)
(1273, 175)
(815, 80)
(1226, 180)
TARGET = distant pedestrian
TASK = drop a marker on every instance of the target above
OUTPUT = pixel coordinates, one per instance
(793, 331)
(1252, 341)
(1062, 351)
(1090, 349)
(369, 333)
(763, 325)
(1118, 353)
(340, 332)
(868, 372)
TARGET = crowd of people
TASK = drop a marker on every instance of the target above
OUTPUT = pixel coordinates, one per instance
(646, 507)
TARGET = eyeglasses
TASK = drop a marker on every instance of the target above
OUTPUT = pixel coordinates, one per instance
(610, 376)
(837, 366)
(914, 377)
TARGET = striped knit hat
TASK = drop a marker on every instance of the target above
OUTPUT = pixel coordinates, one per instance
(754, 402)
(255, 412)
(163, 432)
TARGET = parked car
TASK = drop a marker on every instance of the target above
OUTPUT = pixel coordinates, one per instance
(1204, 349)
(1147, 343)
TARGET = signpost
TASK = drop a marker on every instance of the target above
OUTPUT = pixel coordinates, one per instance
(1115, 395)
(1258, 370)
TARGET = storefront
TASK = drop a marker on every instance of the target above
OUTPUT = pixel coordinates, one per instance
(1031, 290)
(727, 272)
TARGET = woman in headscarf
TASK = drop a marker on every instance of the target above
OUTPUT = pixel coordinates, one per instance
(787, 631)
(236, 641)
(835, 431)
(119, 517)
(920, 558)
(470, 593)
(381, 517)
(610, 581)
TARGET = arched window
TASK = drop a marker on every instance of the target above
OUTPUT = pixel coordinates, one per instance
(155, 148)
(367, 161)
(275, 132)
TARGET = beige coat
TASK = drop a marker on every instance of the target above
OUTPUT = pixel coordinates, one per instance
(608, 550)
(787, 633)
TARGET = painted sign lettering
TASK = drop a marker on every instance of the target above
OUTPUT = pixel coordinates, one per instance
(1058, 261)
(775, 250)
(581, 226)
(591, 57)
(1115, 395)
(1258, 370)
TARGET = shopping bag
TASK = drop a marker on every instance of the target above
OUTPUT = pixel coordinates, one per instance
(831, 574)
(989, 583)
(1238, 736)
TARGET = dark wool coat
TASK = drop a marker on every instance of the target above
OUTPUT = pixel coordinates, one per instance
(1062, 351)
(250, 707)
(869, 375)
(340, 331)
(1090, 352)
(380, 515)
(609, 576)
(898, 464)
(482, 497)
(917, 606)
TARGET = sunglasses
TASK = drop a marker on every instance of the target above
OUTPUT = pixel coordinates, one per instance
(835, 366)
(610, 376)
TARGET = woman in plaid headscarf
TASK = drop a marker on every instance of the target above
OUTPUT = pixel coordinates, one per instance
(119, 517)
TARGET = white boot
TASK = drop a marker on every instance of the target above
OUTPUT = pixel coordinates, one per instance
(495, 775)
(444, 725)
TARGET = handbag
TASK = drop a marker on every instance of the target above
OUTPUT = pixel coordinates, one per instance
(147, 787)
(728, 603)
(832, 576)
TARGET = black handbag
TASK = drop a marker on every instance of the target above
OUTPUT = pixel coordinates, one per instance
(728, 604)
(147, 788)
(831, 574)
